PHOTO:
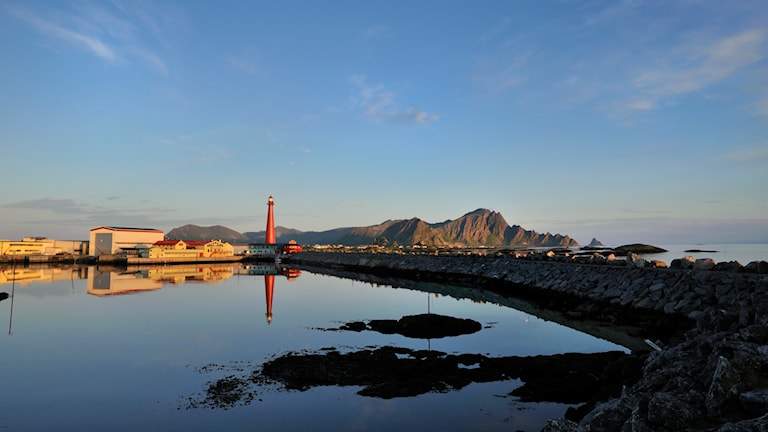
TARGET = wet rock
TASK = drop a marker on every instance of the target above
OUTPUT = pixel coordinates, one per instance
(390, 372)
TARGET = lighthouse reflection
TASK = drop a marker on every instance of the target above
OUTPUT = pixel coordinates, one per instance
(270, 271)
(110, 281)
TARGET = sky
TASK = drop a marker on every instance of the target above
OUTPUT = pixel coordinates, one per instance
(628, 121)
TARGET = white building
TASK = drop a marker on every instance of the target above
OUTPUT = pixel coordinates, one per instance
(107, 240)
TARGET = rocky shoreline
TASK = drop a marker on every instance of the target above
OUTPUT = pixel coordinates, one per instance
(709, 366)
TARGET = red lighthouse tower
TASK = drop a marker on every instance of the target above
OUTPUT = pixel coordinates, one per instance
(270, 222)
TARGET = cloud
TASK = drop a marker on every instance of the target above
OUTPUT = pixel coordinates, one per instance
(692, 68)
(379, 104)
(62, 206)
(114, 36)
(83, 41)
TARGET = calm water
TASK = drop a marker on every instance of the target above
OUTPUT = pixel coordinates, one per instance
(88, 350)
(743, 253)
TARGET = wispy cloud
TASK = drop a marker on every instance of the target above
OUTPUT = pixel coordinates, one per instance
(115, 35)
(49, 28)
(64, 206)
(378, 103)
(693, 68)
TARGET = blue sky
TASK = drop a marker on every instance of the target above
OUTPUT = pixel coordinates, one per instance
(629, 121)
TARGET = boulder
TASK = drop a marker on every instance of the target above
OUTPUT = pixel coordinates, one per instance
(635, 260)
(669, 412)
(728, 266)
(704, 264)
(685, 263)
(760, 267)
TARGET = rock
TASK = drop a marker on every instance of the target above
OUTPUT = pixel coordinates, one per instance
(760, 267)
(639, 248)
(723, 388)
(635, 260)
(704, 264)
(759, 424)
(669, 412)
(728, 266)
(755, 402)
(685, 263)
(560, 425)
(658, 264)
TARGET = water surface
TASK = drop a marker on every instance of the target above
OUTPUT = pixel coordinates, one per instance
(90, 350)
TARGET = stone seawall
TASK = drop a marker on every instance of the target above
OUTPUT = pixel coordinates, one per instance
(688, 293)
(714, 377)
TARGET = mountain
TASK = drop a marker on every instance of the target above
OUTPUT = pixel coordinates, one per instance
(217, 232)
(481, 227)
(595, 243)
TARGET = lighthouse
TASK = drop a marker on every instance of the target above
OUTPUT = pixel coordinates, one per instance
(270, 237)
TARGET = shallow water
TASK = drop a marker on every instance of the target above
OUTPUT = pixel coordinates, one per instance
(89, 350)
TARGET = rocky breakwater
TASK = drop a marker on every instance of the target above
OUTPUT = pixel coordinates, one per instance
(710, 373)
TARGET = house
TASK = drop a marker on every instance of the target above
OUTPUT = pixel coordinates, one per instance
(190, 249)
(108, 240)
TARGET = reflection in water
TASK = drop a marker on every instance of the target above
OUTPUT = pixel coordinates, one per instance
(269, 288)
(27, 275)
(108, 281)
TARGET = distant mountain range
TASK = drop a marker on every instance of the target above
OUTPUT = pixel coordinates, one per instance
(481, 227)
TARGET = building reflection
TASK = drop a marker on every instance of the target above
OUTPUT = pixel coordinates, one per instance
(26, 275)
(107, 281)
(113, 282)
(180, 274)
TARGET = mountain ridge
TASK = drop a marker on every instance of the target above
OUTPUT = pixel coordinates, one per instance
(481, 227)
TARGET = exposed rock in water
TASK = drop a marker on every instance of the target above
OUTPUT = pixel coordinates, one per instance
(595, 243)
(423, 326)
(638, 248)
(390, 372)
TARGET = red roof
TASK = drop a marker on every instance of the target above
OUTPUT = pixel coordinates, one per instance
(196, 242)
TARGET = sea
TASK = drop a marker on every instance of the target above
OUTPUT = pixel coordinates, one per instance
(744, 253)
